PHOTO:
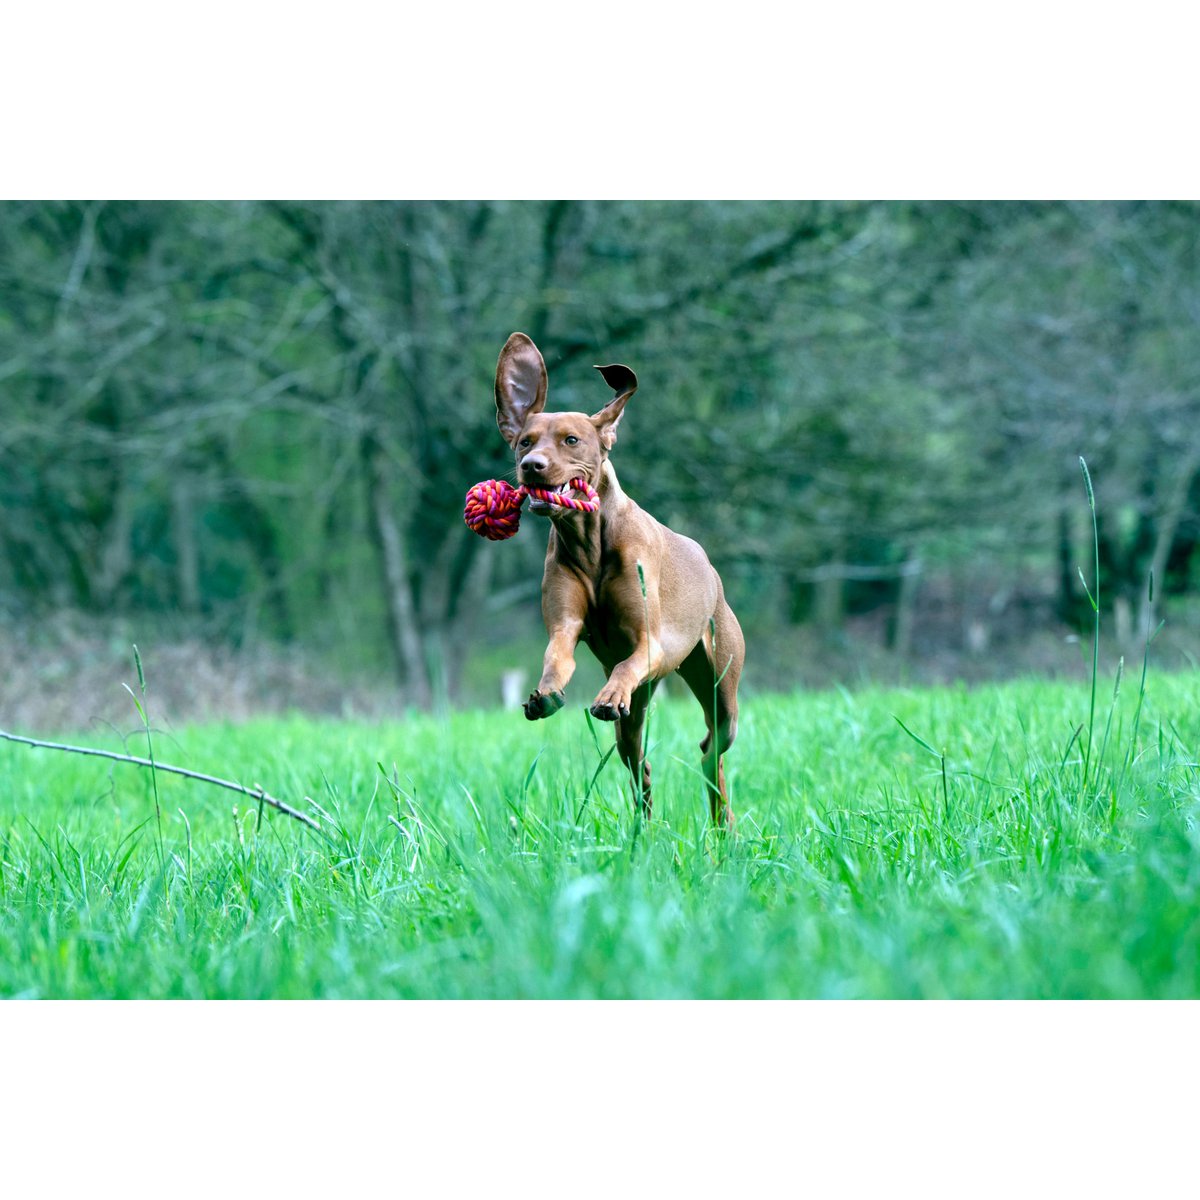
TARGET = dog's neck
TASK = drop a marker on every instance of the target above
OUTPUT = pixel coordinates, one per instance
(612, 498)
(578, 538)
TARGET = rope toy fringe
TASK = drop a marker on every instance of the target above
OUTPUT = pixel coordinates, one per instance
(494, 507)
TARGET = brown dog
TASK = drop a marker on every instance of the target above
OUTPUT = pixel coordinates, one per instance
(644, 599)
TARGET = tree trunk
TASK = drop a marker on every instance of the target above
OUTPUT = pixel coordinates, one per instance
(183, 529)
(1068, 591)
(829, 591)
(906, 606)
(1170, 517)
(115, 558)
(388, 540)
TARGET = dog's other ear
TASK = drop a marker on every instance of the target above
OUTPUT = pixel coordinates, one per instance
(521, 385)
(624, 382)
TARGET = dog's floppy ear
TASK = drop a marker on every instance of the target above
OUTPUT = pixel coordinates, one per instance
(624, 382)
(521, 385)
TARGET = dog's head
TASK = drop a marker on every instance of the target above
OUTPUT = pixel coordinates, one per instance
(553, 448)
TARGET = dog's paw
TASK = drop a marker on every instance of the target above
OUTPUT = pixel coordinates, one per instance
(543, 704)
(613, 702)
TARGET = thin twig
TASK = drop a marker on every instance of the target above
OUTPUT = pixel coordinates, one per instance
(255, 792)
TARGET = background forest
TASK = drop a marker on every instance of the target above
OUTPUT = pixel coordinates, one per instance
(239, 434)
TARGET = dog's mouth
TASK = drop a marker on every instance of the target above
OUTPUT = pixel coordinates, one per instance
(545, 507)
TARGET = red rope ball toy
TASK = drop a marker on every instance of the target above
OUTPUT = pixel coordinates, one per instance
(494, 507)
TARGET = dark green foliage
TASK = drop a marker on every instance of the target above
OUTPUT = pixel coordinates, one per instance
(262, 417)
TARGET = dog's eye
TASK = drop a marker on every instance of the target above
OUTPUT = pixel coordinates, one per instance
(571, 440)
(525, 442)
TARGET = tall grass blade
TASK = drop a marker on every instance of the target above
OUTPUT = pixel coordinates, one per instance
(1087, 750)
(141, 707)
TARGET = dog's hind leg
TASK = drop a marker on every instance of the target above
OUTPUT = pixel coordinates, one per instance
(630, 730)
(712, 766)
(712, 671)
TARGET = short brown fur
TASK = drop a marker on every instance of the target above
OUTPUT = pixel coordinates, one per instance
(591, 591)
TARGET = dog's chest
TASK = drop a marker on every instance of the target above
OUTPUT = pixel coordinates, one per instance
(614, 617)
(615, 610)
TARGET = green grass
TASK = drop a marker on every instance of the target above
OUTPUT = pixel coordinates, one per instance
(497, 863)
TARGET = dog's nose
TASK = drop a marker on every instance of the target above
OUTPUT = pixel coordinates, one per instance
(535, 464)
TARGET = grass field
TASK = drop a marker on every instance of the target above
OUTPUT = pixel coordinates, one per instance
(501, 859)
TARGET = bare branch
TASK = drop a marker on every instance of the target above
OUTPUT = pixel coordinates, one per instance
(82, 259)
(255, 793)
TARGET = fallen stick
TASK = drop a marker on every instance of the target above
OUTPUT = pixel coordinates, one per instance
(255, 793)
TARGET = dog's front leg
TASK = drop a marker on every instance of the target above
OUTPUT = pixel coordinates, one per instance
(635, 597)
(564, 603)
(616, 696)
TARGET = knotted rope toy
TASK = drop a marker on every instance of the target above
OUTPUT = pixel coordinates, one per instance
(494, 507)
